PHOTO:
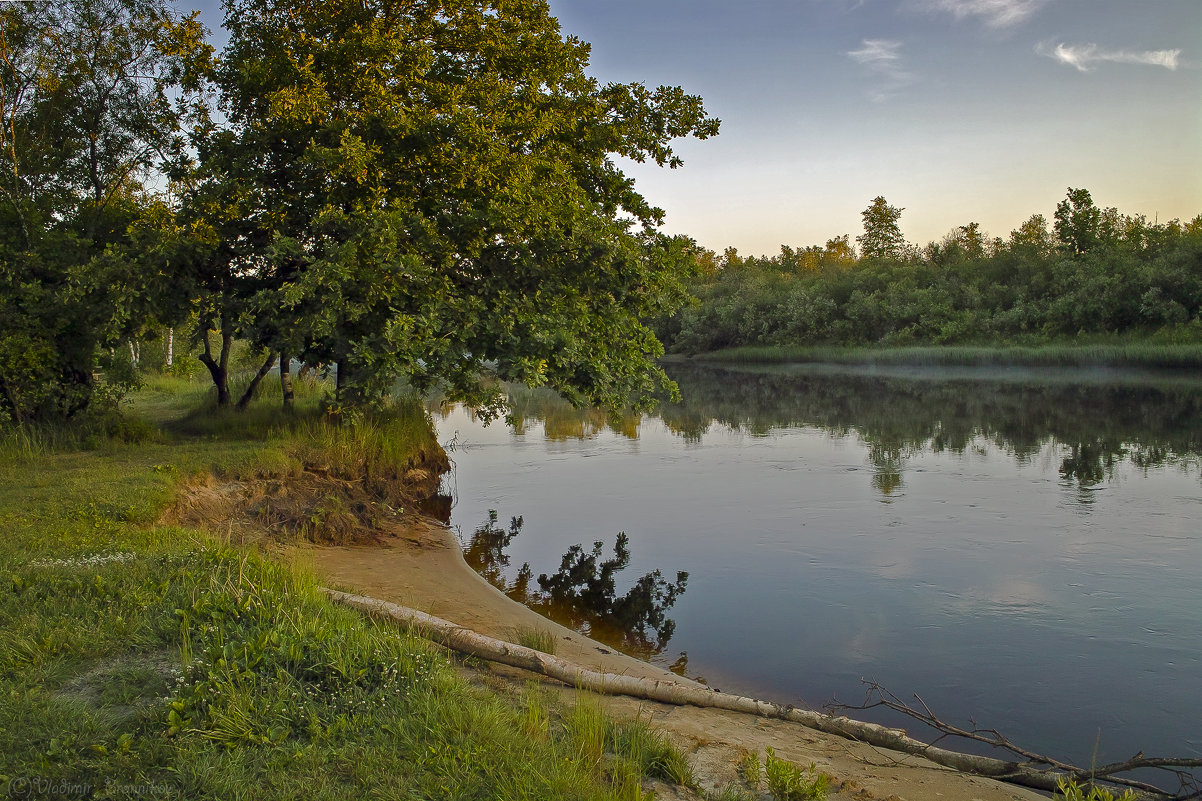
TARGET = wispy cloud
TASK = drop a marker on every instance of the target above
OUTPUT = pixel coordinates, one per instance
(878, 53)
(1085, 56)
(995, 13)
(883, 59)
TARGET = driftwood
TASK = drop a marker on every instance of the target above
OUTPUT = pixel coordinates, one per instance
(1188, 783)
(1035, 772)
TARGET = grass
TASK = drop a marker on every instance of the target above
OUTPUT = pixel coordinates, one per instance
(632, 748)
(136, 656)
(1175, 356)
(650, 752)
(787, 782)
(540, 639)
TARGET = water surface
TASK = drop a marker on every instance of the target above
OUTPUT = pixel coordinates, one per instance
(1021, 549)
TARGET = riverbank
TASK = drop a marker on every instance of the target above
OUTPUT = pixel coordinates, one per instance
(150, 644)
(423, 568)
(1145, 355)
(157, 634)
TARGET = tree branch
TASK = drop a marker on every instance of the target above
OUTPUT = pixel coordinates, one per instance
(879, 696)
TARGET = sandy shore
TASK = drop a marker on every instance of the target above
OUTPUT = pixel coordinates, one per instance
(424, 569)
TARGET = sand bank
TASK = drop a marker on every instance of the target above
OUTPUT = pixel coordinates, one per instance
(423, 568)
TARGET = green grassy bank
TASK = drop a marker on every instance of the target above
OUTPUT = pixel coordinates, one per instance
(150, 660)
(1176, 356)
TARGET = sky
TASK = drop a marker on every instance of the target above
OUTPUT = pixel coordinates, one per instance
(957, 111)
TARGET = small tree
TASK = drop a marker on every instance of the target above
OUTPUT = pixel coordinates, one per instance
(839, 252)
(1078, 222)
(882, 238)
(1032, 236)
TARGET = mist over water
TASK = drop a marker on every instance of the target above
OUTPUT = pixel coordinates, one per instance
(1021, 548)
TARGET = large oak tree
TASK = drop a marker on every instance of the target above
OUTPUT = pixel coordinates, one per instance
(429, 189)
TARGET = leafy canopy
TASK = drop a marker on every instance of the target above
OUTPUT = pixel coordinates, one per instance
(428, 189)
(86, 116)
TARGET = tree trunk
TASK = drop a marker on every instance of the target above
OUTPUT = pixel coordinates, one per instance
(12, 401)
(218, 368)
(286, 382)
(244, 401)
(340, 381)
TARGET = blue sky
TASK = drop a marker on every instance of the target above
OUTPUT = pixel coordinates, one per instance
(956, 110)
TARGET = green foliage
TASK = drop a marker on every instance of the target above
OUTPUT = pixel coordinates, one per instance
(751, 770)
(87, 113)
(784, 780)
(787, 782)
(1111, 275)
(428, 190)
(1078, 221)
(882, 237)
(1071, 791)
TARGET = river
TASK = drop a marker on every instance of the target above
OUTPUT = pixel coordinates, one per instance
(1020, 548)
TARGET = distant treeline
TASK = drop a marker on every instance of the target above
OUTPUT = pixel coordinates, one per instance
(1092, 271)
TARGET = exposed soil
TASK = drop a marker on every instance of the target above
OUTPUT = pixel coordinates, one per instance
(314, 504)
(308, 506)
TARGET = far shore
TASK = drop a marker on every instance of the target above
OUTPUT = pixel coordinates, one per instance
(1137, 355)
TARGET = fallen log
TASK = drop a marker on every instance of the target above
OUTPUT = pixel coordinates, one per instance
(1037, 774)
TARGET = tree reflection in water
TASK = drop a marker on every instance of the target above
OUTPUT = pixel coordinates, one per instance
(582, 593)
(1148, 420)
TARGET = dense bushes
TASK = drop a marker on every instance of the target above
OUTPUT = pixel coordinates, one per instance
(1138, 277)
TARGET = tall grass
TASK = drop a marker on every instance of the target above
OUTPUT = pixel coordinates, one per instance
(384, 442)
(30, 441)
(536, 637)
(189, 406)
(101, 429)
(636, 748)
(380, 448)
